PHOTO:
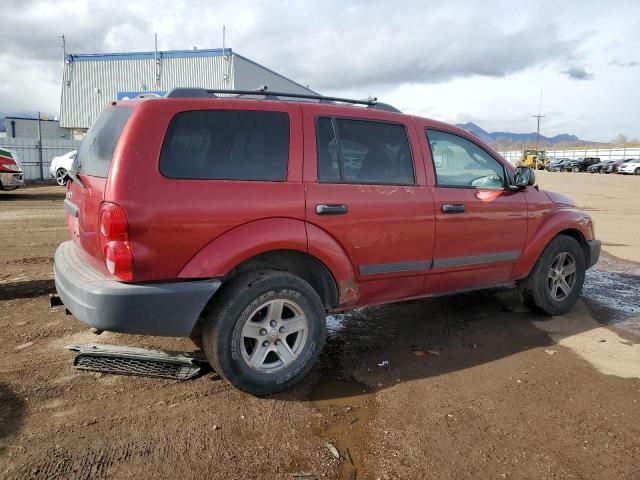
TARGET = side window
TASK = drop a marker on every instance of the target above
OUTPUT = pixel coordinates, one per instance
(226, 145)
(461, 163)
(363, 151)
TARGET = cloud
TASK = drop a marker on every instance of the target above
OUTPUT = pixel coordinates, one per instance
(617, 63)
(577, 73)
(368, 44)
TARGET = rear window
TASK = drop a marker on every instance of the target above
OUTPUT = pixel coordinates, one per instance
(97, 147)
(226, 145)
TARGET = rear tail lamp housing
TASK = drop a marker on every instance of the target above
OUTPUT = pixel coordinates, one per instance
(114, 241)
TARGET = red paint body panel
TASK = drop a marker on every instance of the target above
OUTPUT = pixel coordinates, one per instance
(194, 229)
(172, 220)
(546, 220)
(243, 242)
(385, 224)
(88, 201)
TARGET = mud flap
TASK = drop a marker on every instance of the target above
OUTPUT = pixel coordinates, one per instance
(122, 360)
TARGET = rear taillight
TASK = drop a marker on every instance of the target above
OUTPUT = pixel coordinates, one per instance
(8, 164)
(114, 241)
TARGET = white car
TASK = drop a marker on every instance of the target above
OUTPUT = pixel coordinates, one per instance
(630, 167)
(60, 165)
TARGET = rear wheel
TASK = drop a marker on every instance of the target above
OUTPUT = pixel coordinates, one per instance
(637, 171)
(554, 284)
(61, 177)
(265, 331)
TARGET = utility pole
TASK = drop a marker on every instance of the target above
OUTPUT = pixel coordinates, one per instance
(40, 147)
(538, 116)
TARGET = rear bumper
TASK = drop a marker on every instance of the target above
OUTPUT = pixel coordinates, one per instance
(165, 309)
(11, 180)
(594, 251)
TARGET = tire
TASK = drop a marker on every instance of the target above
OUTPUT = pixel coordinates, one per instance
(637, 171)
(575, 169)
(233, 331)
(61, 178)
(537, 289)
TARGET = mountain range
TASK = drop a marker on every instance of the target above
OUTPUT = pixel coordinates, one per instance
(492, 137)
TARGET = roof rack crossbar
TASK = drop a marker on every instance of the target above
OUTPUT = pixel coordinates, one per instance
(198, 92)
(269, 93)
(263, 91)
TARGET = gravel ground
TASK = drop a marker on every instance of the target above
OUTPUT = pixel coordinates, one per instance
(467, 386)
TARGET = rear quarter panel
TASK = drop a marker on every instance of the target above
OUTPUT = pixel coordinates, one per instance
(171, 220)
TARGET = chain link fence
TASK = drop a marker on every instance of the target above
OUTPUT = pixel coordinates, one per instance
(36, 155)
(513, 156)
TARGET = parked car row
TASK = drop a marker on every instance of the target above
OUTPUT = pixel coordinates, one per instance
(594, 165)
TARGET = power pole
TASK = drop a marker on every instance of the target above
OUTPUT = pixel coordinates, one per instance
(539, 116)
(40, 163)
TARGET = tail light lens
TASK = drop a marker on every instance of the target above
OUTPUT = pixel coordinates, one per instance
(114, 241)
(8, 164)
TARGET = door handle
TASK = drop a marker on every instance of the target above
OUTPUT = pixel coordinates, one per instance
(331, 209)
(452, 208)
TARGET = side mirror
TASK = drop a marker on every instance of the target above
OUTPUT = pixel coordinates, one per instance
(524, 177)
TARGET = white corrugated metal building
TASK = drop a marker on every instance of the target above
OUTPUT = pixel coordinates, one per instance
(91, 81)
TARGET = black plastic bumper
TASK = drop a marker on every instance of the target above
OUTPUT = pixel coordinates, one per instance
(594, 252)
(165, 309)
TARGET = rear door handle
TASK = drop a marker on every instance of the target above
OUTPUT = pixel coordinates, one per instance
(452, 208)
(331, 209)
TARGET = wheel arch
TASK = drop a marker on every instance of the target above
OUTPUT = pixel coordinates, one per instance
(569, 222)
(280, 244)
(298, 263)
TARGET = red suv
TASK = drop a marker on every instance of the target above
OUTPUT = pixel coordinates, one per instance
(241, 221)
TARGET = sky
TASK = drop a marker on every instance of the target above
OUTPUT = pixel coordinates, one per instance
(455, 61)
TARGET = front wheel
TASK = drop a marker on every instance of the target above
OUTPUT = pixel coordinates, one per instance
(554, 284)
(637, 171)
(265, 331)
(576, 169)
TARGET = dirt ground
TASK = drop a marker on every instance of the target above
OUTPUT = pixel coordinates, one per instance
(612, 200)
(468, 386)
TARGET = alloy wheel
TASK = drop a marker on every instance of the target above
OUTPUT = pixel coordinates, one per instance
(274, 335)
(61, 178)
(562, 276)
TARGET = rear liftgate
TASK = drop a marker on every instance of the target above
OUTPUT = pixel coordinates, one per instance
(138, 361)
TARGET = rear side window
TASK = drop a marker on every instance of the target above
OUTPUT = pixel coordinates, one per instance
(226, 145)
(363, 151)
(97, 147)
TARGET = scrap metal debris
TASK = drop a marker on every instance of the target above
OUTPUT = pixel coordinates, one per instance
(124, 360)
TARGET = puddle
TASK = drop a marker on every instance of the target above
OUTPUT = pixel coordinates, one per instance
(348, 408)
(614, 298)
(345, 404)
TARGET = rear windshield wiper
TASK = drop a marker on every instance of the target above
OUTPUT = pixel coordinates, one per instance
(72, 175)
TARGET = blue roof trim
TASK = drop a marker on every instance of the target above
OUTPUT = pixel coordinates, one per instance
(101, 57)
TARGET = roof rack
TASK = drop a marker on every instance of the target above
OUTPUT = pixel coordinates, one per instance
(269, 95)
